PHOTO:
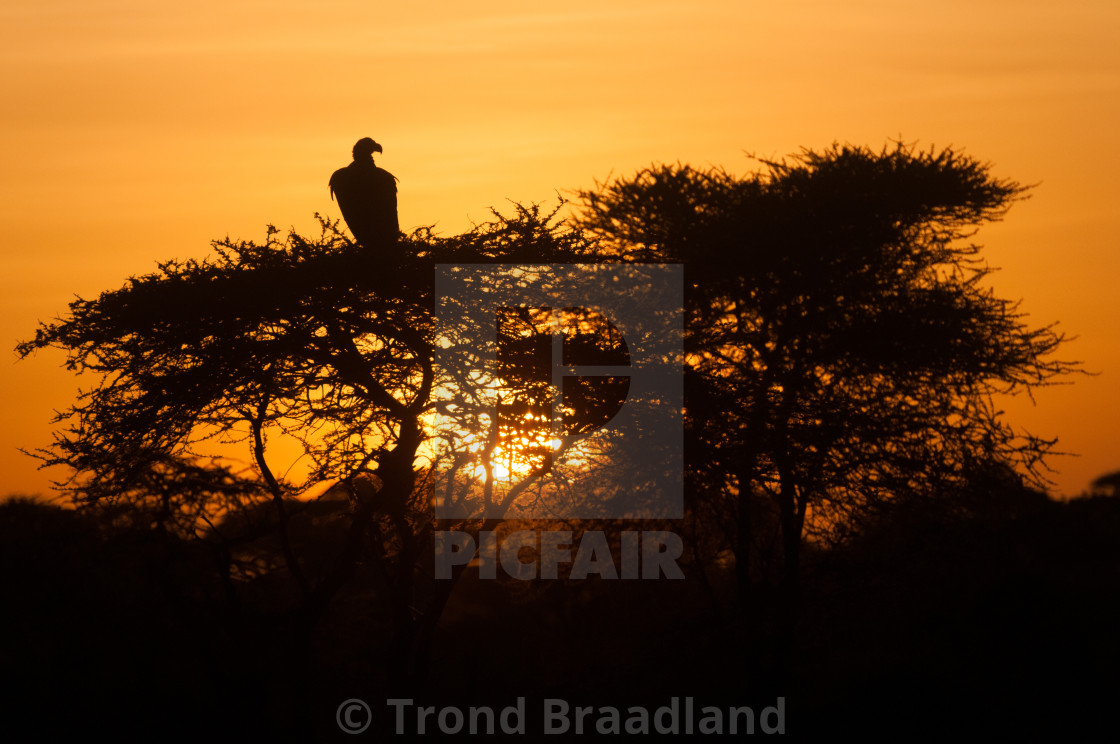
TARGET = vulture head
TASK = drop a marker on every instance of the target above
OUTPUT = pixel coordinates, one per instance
(365, 148)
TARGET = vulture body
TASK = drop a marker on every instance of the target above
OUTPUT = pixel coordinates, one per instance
(367, 196)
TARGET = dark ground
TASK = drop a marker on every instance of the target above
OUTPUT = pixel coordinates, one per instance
(998, 623)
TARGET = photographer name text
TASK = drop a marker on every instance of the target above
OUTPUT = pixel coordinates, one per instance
(679, 716)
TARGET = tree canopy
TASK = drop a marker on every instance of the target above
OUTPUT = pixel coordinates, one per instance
(843, 345)
(316, 341)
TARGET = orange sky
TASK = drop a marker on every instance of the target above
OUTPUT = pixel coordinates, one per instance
(138, 131)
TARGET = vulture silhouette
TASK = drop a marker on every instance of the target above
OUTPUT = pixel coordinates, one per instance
(367, 196)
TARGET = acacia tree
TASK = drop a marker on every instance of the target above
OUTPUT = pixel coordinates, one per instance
(843, 347)
(318, 342)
